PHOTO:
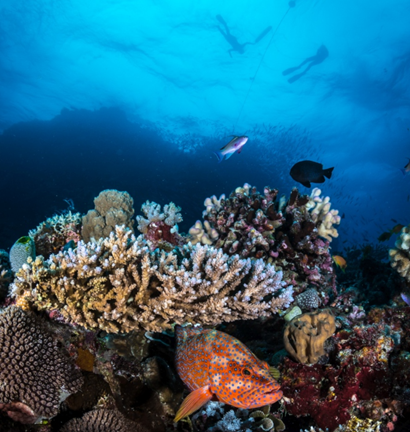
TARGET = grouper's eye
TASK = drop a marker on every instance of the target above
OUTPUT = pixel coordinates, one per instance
(246, 372)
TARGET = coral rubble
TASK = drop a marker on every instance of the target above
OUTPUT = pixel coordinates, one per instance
(111, 208)
(118, 285)
(36, 375)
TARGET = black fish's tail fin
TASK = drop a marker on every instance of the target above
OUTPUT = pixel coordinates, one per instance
(328, 172)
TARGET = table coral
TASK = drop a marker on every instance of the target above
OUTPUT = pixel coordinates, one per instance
(291, 233)
(36, 374)
(111, 208)
(400, 254)
(305, 335)
(118, 285)
(53, 234)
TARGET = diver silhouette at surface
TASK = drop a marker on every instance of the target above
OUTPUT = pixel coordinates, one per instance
(233, 41)
(321, 54)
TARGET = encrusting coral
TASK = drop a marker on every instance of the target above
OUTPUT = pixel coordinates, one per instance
(305, 335)
(118, 285)
(35, 374)
(400, 254)
(294, 234)
(111, 208)
(160, 229)
(53, 234)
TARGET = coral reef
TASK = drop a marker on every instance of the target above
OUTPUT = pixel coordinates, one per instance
(22, 249)
(365, 381)
(36, 375)
(305, 335)
(400, 254)
(102, 420)
(160, 229)
(6, 275)
(118, 285)
(293, 234)
(51, 236)
(111, 208)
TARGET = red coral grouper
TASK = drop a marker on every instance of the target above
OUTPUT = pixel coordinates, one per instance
(217, 366)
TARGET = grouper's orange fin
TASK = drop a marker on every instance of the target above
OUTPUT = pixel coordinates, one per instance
(193, 402)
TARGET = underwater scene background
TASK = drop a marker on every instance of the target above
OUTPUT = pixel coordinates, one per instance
(149, 181)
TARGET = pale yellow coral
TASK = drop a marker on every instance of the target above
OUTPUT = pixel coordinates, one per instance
(204, 234)
(319, 208)
(400, 254)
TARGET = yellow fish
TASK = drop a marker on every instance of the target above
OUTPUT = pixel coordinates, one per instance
(340, 262)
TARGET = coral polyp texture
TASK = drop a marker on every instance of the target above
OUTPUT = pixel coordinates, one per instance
(160, 228)
(400, 254)
(117, 284)
(111, 208)
(294, 233)
(35, 374)
(101, 420)
(52, 235)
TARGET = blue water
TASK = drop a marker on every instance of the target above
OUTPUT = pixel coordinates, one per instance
(136, 96)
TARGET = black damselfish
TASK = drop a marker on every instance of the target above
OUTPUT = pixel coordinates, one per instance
(306, 172)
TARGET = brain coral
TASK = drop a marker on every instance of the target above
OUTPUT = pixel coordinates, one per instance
(36, 374)
(102, 420)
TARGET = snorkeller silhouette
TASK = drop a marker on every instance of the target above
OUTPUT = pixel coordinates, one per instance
(233, 41)
(321, 54)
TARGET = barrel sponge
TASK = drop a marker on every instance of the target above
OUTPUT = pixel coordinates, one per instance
(304, 337)
(400, 254)
(23, 249)
(36, 374)
(111, 208)
(101, 420)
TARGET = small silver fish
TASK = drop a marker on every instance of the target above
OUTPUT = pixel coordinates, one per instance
(234, 145)
(406, 168)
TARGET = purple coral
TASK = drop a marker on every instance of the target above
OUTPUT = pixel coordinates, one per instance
(284, 232)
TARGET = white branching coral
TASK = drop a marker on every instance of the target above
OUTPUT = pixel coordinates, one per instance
(118, 285)
(152, 212)
(400, 254)
(319, 208)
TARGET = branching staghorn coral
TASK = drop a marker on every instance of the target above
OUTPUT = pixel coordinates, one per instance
(400, 254)
(118, 285)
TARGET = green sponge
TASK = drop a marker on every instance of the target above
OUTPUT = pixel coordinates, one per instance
(20, 251)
